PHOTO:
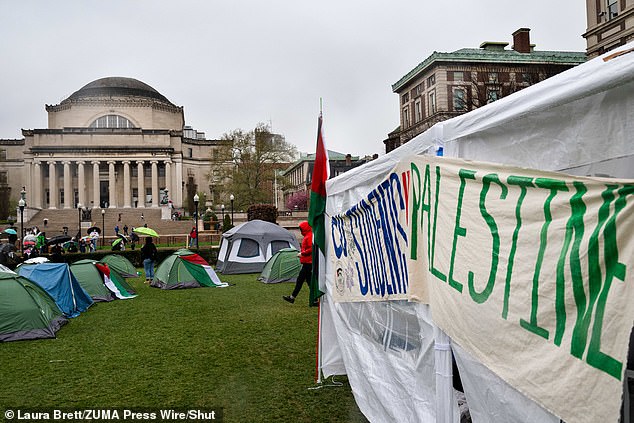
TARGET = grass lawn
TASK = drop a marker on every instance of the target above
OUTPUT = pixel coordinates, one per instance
(241, 348)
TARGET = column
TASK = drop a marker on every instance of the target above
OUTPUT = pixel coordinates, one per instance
(37, 185)
(126, 184)
(28, 182)
(81, 183)
(68, 186)
(52, 185)
(155, 187)
(168, 179)
(95, 184)
(178, 185)
(140, 184)
(112, 189)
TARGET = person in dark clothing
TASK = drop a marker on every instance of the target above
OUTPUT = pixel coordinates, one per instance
(306, 259)
(8, 253)
(148, 253)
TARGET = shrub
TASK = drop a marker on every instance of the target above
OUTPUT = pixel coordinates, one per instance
(266, 212)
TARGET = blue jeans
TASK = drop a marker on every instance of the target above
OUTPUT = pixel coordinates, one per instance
(148, 266)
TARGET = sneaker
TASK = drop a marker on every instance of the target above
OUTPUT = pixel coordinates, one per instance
(289, 299)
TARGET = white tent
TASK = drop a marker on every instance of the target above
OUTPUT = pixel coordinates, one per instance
(397, 359)
(247, 247)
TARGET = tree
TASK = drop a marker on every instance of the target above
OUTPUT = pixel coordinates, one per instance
(244, 165)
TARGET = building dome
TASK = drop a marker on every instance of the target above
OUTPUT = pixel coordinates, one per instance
(117, 87)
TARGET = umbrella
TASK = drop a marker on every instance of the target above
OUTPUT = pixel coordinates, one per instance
(146, 231)
(28, 243)
(117, 242)
(68, 244)
(29, 238)
(94, 229)
(123, 237)
(10, 231)
(58, 239)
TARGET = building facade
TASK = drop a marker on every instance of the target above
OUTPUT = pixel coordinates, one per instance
(449, 84)
(298, 176)
(610, 25)
(114, 143)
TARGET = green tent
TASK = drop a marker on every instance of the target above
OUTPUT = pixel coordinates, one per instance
(122, 265)
(26, 310)
(185, 269)
(283, 266)
(101, 282)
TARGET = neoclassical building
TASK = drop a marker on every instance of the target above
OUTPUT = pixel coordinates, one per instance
(114, 143)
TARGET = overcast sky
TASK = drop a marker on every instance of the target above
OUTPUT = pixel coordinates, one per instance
(234, 63)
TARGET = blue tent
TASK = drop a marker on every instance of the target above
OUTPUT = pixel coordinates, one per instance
(60, 283)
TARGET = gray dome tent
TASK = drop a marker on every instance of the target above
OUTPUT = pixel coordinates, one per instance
(247, 247)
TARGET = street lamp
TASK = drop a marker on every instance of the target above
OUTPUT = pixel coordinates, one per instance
(231, 197)
(21, 204)
(103, 225)
(222, 208)
(196, 200)
(79, 218)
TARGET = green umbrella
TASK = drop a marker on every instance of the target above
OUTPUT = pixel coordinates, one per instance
(117, 241)
(146, 231)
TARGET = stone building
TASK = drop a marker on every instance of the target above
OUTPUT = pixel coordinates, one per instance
(445, 85)
(114, 143)
(610, 25)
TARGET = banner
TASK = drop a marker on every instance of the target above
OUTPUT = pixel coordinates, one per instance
(528, 271)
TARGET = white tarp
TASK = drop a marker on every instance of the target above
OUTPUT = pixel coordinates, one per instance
(578, 121)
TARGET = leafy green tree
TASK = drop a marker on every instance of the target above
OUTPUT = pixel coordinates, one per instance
(245, 165)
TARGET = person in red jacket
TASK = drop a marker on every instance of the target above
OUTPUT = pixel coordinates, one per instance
(305, 258)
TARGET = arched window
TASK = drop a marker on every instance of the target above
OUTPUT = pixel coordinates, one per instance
(111, 121)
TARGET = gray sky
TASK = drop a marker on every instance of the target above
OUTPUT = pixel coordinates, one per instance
(232, 64)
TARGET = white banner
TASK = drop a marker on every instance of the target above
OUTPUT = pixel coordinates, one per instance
(526, 270)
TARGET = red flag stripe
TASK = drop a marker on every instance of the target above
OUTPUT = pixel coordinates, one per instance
(321, 169)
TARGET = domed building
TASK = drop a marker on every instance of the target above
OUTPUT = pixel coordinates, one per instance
(114, 143)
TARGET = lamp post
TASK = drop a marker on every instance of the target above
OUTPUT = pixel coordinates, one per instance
(231, 197)
(222, 208)
(196, 200)
(21, 204)
(79, 218)
(103, 225)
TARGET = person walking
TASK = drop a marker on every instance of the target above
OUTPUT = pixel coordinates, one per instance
(148, 253)
(306, 259)
(193, 237)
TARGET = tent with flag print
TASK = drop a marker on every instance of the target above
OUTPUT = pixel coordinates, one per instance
(61, 284)
(26, 310)
(185, 269)
(121, 265)
(101, 282)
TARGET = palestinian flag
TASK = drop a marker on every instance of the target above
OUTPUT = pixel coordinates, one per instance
(317, 210)
(115, 283)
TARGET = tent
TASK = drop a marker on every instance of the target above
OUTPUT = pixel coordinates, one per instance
(121, 265)
(396, 353)
(247, 247)
(61, 284)
(101, 282)
(185, 269)
(26, 310)
(284, 266)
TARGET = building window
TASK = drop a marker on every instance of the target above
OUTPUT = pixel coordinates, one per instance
(528, 78)
(431, 80)
(458, 76)
(493, 77)
(3, 155)
(418, 111)
(613, 9)
(111, 121)
(493, 94)
(417, 91)
(432, 103)
(459, 99)
(4, 178)
(405, 98)
(405, 117)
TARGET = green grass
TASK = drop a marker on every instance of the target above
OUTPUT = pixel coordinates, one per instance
(241, 348)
